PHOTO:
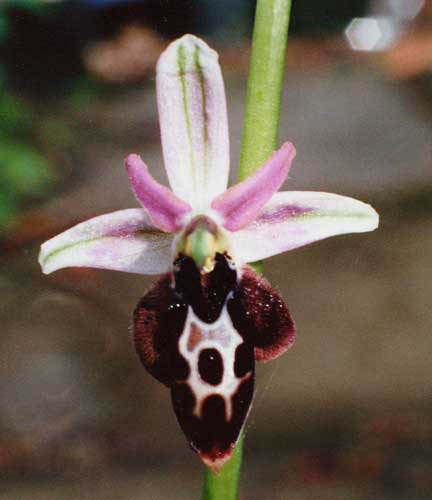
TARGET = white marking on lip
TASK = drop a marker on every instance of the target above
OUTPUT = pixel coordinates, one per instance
(222, 336)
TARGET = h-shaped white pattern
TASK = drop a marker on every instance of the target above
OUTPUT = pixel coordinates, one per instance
(222, 336)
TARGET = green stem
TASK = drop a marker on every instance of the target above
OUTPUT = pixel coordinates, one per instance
(266, 72)
(224, 486)
(259, 139)
(267, 67)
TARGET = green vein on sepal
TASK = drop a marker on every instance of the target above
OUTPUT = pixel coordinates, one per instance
(204, 106)
(43, 261)
(68, 247)
(336, 215)
(181, 61)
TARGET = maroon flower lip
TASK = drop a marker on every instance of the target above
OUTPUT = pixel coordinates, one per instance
(201, 338)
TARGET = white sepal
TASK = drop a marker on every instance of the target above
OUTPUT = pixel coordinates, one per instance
(125, 240)
(292, 219)
(193, 121)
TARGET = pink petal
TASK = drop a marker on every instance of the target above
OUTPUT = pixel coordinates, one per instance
(125, 240)
(240, 204)
(166, 210)
(292, 219)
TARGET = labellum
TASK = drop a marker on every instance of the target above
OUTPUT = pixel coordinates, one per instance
(199, 331)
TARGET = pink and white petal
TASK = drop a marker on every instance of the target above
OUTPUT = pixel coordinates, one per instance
(125, 240)
(240, 204)
(295, 218)
(165, 209)
(193, 121)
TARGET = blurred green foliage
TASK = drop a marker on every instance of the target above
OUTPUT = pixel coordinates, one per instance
(15, 117)
(25, 173)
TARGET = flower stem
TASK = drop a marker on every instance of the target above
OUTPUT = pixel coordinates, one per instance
(266, 71)
(224, 485)
(259, 139)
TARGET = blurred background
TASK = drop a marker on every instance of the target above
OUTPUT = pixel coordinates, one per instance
(347, 413)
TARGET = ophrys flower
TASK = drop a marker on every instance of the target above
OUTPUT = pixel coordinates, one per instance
(201, 328)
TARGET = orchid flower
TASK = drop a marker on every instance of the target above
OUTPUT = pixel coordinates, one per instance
(203, 325)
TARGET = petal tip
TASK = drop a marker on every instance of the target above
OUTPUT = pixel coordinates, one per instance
(289, 149)
(133, 161)
(368, 217)
(42, 262)
(188, 44)
(374, 218)
(43, 258)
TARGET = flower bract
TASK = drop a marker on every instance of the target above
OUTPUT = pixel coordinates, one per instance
(203, 325)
